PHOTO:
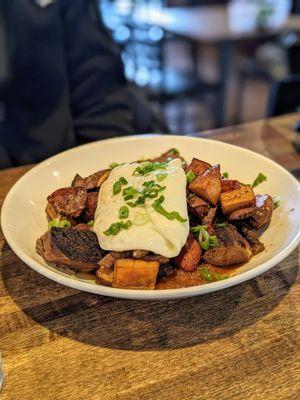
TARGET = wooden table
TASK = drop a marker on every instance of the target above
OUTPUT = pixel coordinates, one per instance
(240, 343)
(209, 25)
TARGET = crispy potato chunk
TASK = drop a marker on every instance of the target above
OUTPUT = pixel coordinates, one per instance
(227, 185)
(69, 201)
(198, 166)
(189, 257)
(237, 199)
(135, 274)
(208, 185)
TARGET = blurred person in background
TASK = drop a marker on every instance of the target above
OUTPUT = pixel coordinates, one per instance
(66, 83)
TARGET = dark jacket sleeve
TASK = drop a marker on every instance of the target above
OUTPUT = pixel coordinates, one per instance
(103, 104)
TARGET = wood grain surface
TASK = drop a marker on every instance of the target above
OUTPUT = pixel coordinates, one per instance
(240, 343)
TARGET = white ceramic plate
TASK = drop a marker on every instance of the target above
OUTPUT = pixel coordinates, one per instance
(23, 216)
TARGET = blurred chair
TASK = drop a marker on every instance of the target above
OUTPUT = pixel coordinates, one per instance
(284, 96)
(145, 61)
(252, 69)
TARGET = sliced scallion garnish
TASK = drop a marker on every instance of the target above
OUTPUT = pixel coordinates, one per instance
(169, 215)
(123, 212)
(190, 176)
(259, 179)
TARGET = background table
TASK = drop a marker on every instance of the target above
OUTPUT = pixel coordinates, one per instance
(209, 25)
(240, 343)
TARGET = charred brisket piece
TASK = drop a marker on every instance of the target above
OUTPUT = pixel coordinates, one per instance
(139, 253)
(165, 270)
(78, 249)
(251, 235)
(232, 248)
(197, 206)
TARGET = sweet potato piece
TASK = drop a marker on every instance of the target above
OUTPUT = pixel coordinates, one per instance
(197, 206)
(135, 274)
(69, 201)
(263, 211)
(227, 185)
(198, 166)
(189, 257)
(208, 185)
(237, 199)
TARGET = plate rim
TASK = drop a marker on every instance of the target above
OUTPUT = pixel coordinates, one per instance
(163, 294)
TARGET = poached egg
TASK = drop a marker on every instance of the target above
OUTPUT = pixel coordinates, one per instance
(149, 229)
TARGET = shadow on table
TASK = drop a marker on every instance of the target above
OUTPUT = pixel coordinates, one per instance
(153, 325)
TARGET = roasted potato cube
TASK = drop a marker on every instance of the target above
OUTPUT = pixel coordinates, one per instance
(237, 199)
(189, 257)
(227, 185)
(135, 274)
(198, 166)
(208, 185)
(69, 201)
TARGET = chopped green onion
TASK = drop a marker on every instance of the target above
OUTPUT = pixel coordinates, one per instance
(56, 223)
(161, 176)
(276, 201)
(129, 197)
(127, 224)
(115, 228)
(206, 274)
(213, 241)
(131, 204)
(259, 179)
(113, 165)
(169, 215)
(203, 239)
(91, 223)
(225, 175)
(149, 183)
(129, 191)
(190, 176)
(196, 229)
(117, 187)
(123, 180)
(148, 167)
(175, 151)
(222, 225)
(153, 193)
(220, 277)
(123, 212)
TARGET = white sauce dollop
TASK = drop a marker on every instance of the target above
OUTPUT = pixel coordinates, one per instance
(150, 230)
